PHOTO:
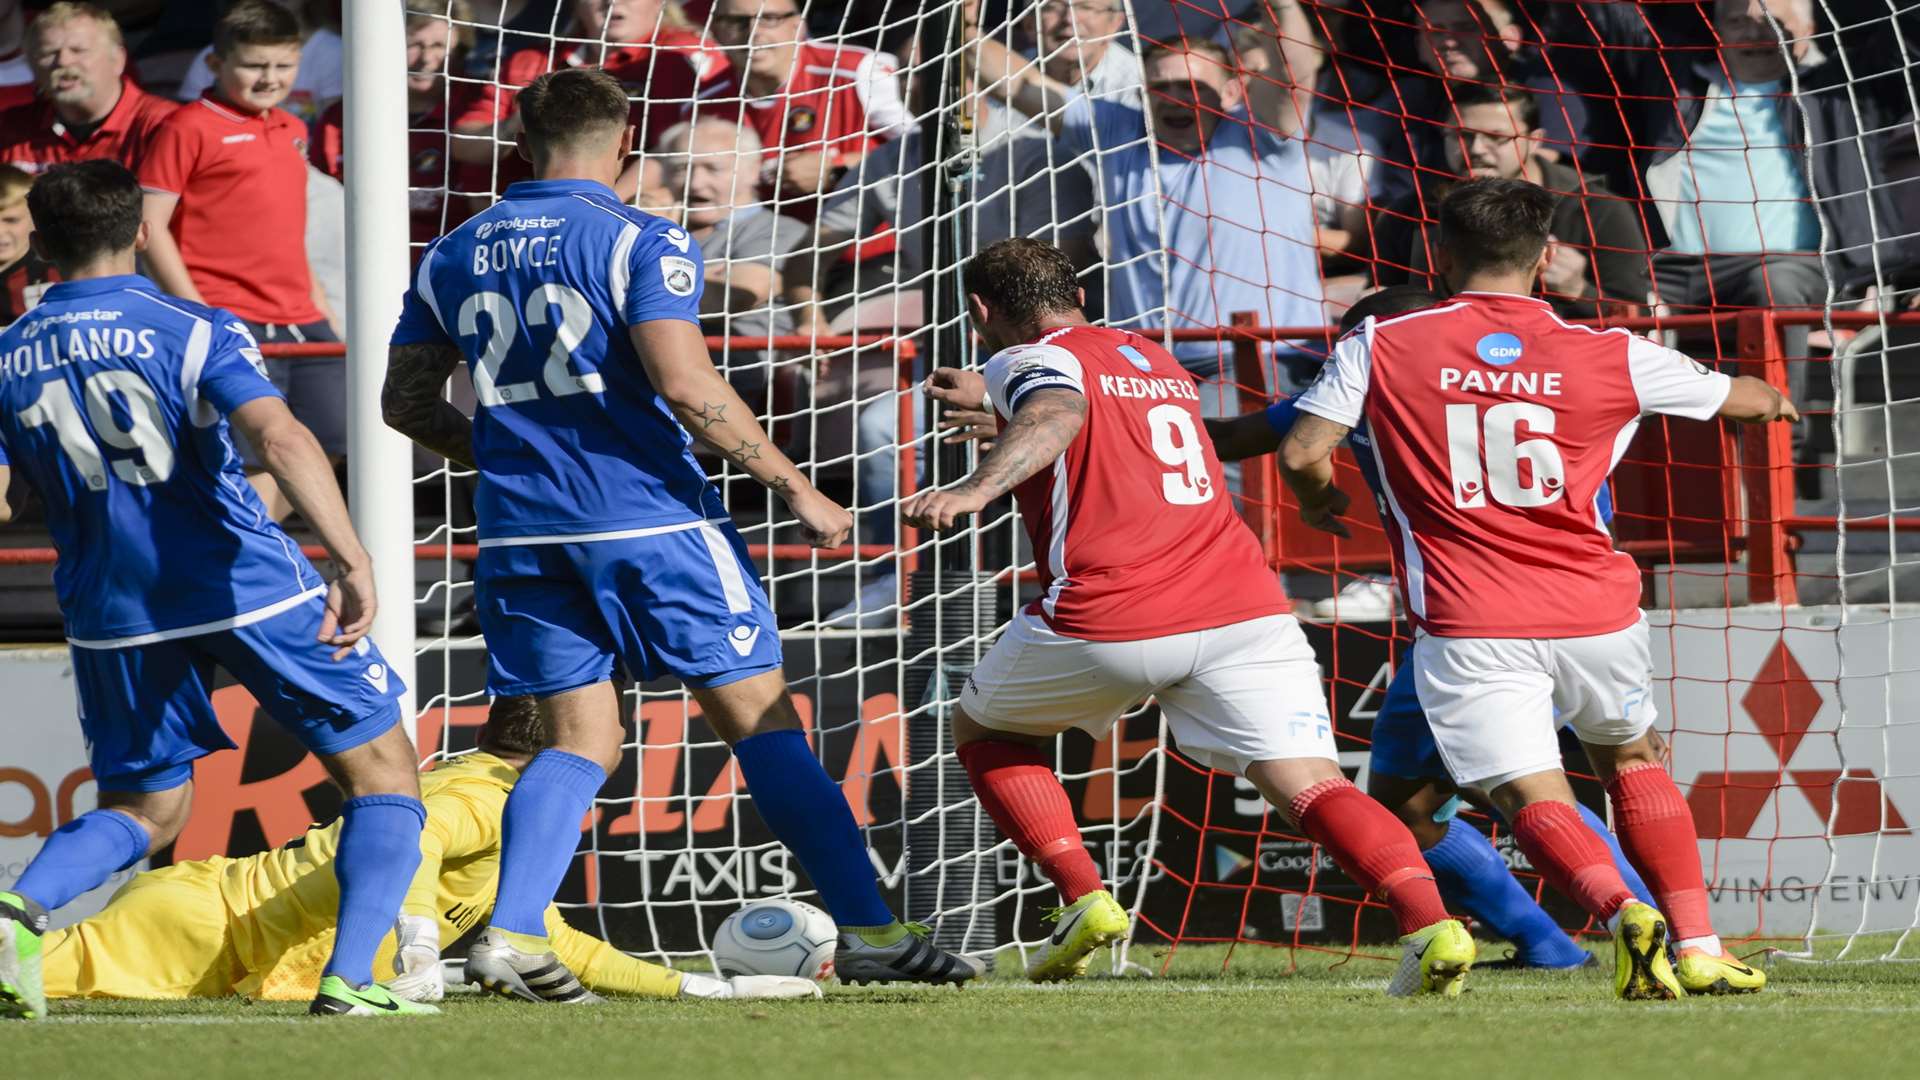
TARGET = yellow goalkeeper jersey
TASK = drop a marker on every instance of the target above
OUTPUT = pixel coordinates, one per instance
(263, 925)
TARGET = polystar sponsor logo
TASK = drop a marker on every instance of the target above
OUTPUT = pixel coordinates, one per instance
(1781, 705)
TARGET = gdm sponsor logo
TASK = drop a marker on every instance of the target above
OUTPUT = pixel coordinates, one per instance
(1498, 349)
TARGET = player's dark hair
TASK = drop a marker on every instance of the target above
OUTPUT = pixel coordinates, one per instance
(515, 725)
(1022, 279)
(1517, 100)
(566, 106)
(85, 210)
(1390, 301)
(256, 22)
(1496, 225)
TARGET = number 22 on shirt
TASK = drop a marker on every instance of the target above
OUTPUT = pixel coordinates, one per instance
(576, 320)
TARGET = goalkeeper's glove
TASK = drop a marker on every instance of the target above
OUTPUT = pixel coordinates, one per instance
(416, 962)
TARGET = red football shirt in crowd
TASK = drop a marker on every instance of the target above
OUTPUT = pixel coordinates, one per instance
(242, 219)
(841, 99)
(661, 77)
(430, 170)
(33, 137)
(1495, 426)
(1132, 527)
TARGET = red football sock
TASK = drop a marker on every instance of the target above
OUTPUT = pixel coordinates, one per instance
(1016, 785)
(1373, 847)
(1571, 857)
(1656, 831)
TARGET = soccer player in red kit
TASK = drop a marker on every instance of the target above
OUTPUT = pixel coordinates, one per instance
(1494, 425)
(1154, 587)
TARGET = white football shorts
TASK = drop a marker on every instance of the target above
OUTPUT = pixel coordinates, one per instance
(1231, 695)
(1496, 704)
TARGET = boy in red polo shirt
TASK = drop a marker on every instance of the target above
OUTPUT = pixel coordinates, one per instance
(226, 211)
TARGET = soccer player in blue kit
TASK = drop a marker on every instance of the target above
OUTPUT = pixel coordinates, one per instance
(117, 402)
(600, 537)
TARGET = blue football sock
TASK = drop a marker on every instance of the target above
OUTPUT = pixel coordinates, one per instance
(1473, 876)
(540, 829)
(82, 855)
(379, 851)
(806, 810)
(1627, 872)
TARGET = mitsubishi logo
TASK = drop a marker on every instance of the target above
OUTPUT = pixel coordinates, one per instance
(1781, 705)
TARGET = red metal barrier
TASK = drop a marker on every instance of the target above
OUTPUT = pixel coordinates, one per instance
(778, 342)
(1760, 504)
(904, 351)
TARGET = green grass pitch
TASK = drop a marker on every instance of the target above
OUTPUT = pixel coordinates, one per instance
(1321, 1019)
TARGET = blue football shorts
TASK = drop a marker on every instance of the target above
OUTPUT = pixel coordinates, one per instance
(682, 601)
(146, 707)
(1402, 742)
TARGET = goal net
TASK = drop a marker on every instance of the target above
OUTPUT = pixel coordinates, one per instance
(837, 162)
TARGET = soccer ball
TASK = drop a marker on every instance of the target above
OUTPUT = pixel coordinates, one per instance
(776, 937)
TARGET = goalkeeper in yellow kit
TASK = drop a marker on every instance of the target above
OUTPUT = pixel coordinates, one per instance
(262, 926)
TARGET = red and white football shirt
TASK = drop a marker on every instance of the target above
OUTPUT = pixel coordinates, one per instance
(1494, 425)
(1132, 526)
(842, 100)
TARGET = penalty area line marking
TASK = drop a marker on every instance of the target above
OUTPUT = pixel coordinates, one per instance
(188, 1021)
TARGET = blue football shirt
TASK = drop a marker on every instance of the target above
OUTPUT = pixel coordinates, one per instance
(537, 292)
(113, 403)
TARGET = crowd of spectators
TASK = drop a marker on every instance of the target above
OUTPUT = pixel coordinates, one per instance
(1279, 157)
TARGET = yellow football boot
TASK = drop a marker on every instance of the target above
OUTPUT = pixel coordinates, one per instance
(1641, 971)
(1094, 920)
(1434, 960)
(1701, 972)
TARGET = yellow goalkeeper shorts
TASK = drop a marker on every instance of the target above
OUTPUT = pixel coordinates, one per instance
(163, 935)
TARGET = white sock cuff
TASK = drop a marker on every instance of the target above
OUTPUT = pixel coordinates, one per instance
(1710, 944)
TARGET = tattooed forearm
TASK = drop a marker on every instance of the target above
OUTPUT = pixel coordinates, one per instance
(1314, 435)
(1306, 457)
(1042, 428)
(734, 434)
(411, 404)
(676, 362)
